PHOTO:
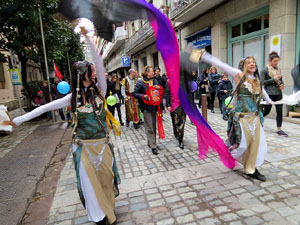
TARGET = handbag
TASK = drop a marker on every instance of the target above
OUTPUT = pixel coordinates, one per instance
(117, 98)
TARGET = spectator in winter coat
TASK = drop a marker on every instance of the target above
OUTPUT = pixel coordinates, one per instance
(114, 89)
(213, 79)
(162, 82)
(148, 110)
(203, 84)
(224, 90)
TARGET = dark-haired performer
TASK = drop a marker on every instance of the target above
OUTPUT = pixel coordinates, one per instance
(271, 79)
(92, 149)
(95, 165)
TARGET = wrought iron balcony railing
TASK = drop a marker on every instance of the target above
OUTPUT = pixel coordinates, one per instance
(139, 36)
(180, 6)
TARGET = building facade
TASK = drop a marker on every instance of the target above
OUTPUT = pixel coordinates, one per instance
(135, 41)
(229, 29)
(8, 92)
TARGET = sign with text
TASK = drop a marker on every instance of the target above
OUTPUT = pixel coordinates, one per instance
(125, 61)
(15, 76)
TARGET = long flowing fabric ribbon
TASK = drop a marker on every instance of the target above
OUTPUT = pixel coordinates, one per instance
(207, 138)
(112, 122)
(160, 126)
(292, 99)
(104, 13)
(166, 43)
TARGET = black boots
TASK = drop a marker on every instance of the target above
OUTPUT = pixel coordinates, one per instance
(257, 175)
(102, 222)
(154, 151)
(181, 145)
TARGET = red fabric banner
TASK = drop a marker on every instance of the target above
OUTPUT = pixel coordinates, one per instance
(57, 73)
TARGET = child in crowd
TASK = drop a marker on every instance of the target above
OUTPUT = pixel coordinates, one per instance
(224, 90)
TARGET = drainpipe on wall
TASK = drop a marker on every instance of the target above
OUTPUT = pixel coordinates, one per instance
(179, 33)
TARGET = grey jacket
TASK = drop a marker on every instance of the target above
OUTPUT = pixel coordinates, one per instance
(269, 83)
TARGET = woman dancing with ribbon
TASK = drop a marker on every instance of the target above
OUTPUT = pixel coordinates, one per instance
(245, 132)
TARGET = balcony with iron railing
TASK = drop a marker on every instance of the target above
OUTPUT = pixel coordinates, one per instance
(186, 10)
(180, 6)
(120, 35)
(139, 36)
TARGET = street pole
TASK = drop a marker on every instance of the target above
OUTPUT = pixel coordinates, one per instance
(204, 106)
(69, 67)
(19, 100)
(46, 63)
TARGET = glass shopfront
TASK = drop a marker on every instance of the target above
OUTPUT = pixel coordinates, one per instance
(249, 36)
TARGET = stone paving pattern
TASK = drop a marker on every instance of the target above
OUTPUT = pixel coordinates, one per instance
(176, 187)
(9, 142)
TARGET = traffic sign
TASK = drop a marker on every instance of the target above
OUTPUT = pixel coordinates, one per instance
(125, 61)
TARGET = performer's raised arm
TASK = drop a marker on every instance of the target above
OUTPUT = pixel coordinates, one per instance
(57, 104)
(208, 58)
(101, 81)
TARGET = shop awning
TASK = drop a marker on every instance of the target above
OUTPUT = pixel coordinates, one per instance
(201, 38)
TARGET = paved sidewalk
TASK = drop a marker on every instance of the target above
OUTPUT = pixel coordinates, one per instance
(176, 187)
(23, 167)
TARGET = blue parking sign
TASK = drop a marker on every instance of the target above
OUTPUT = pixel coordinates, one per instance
(125, 61)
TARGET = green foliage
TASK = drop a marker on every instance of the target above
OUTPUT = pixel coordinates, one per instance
(34, 88)
(21, 33)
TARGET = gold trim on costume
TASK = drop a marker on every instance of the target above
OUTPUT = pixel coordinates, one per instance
(101, 179)
(251, 127)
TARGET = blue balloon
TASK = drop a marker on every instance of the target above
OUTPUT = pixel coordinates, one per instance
(63, 87)
(193, 86)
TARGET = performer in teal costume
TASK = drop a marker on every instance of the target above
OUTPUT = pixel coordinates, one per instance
(96, 170)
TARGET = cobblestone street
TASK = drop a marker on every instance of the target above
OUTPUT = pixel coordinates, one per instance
(176, 187)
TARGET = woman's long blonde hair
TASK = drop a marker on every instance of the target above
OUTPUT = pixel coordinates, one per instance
(255, 83)
(117, 81)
